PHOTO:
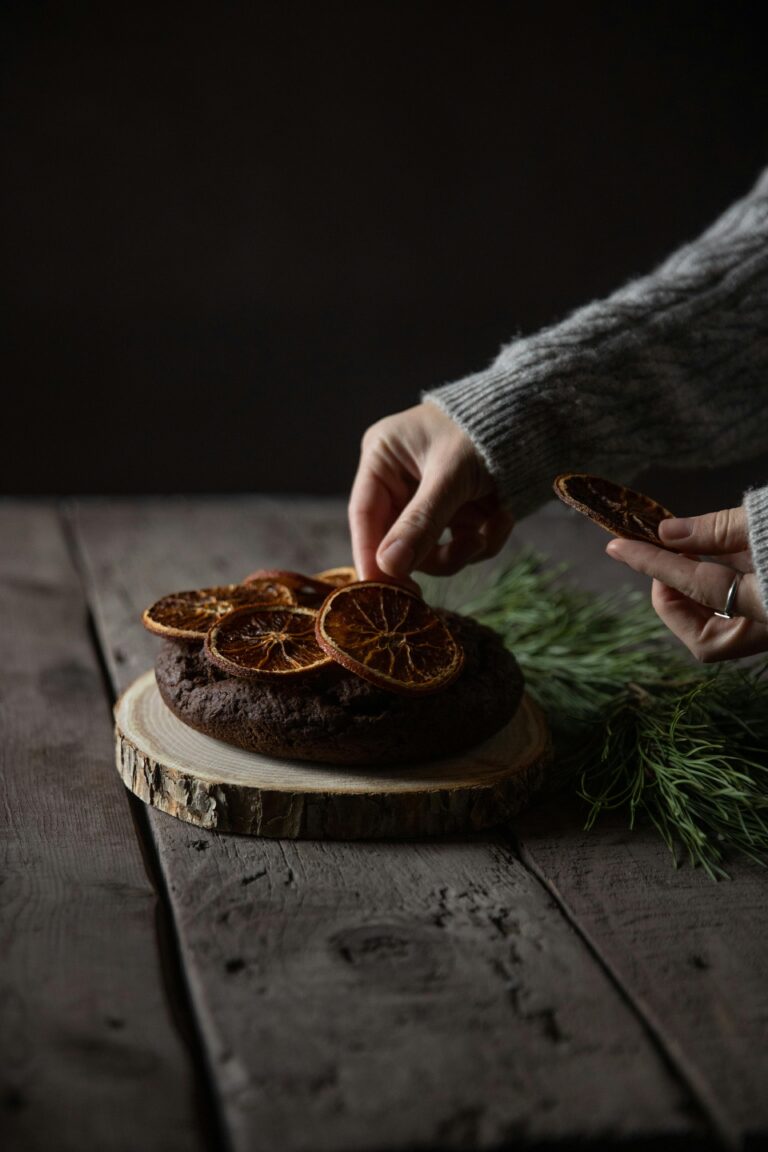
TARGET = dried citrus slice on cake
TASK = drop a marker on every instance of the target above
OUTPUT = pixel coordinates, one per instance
(337, 576)
(619, 510)
(389, 636)
(266, 643)
(189, 615)
(308, 590)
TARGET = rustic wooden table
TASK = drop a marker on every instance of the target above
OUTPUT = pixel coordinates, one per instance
(165, 988)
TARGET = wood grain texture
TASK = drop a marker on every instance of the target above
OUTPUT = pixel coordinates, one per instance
(374, 995)
(216, 786)
(692, 954)
(90, 1058)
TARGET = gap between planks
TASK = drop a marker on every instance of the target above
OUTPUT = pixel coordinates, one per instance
(672, 1055)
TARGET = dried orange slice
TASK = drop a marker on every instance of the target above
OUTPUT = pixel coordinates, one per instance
(266, 643)
(309, 590)
(619, 510)
(389, 636)
(189, 615)
(337, 576)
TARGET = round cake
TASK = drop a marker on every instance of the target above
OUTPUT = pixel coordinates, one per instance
(333, 716)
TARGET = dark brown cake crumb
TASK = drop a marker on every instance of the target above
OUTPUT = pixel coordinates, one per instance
(335, 717)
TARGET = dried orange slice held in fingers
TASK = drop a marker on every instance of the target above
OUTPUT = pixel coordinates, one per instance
(619, 510)
(389, 636)
(189, 615)
(266, 643)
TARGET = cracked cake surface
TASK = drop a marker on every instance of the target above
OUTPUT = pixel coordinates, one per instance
(333, 716)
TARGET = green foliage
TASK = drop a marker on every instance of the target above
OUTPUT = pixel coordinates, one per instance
(691, 758)
(637, 725)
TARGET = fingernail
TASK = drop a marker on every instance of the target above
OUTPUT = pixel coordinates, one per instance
(397, 558)
(613, 548)
(675, 529)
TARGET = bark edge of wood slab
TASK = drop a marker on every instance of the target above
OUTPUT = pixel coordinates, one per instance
(222, 788)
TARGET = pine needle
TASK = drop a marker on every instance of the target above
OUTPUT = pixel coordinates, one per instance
(636, 725)
(692, 760)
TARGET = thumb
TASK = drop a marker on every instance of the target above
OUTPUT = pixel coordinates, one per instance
(420, 525)
(714, 534)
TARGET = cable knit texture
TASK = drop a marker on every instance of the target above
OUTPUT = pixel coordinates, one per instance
(671, 369)
(756, 503)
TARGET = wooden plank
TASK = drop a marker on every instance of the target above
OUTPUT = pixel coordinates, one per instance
(371, 995)
(692, 954)
(90, 1055)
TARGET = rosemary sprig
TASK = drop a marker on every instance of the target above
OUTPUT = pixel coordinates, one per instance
(636, 725)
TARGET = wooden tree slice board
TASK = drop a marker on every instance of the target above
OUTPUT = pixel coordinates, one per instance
(217, 786)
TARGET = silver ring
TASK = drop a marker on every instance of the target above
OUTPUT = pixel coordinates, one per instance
(730, 600)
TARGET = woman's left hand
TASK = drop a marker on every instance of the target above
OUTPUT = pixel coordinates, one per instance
(688, 590)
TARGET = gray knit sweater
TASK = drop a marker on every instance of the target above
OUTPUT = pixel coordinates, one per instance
(672, 369)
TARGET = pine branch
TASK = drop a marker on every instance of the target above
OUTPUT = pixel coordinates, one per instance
(693, 761)
(636, 725)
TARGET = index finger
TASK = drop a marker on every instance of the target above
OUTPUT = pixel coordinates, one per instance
(371, 514)
(715, 534)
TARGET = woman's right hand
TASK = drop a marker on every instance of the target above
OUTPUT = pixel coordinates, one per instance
(420, 473)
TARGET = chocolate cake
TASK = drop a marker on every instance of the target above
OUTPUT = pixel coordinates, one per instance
(334, 716)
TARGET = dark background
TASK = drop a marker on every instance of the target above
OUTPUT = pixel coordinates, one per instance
(235, 234)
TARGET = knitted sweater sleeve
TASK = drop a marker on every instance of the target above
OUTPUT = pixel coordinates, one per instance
(671, 369)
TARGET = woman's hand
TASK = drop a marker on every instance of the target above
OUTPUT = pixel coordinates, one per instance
(688, 590)
(419, 474)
